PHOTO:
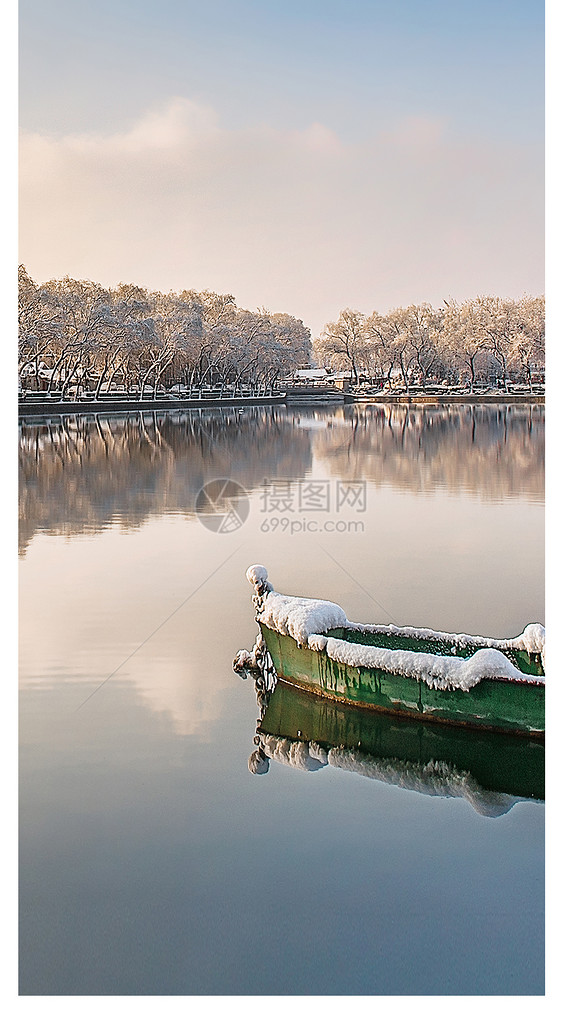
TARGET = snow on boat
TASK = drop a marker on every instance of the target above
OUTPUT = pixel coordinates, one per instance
(415, 672)
(489, 770)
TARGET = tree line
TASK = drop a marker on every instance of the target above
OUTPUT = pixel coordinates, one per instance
(486, 340)
(78, 336)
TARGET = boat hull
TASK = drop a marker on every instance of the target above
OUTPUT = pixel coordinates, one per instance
(504, 705)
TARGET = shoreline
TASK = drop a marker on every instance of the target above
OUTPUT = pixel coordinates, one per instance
(451, 399)
(110, 407)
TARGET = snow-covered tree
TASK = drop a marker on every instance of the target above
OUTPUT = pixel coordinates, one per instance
(464, 341)
(344, 343)
(38, 326)
(529, 343)
(488, 338)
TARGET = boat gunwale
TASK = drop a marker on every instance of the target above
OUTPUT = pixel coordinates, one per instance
(530, 678)
(533, 679)
(463, 641)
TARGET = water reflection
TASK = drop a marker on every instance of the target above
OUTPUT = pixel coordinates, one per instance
(492, 451)
(491, 771)
(129, 468)
(128, 708)
(82, 474)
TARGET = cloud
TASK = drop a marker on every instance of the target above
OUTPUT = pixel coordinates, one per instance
(294, 220)
(148, 642)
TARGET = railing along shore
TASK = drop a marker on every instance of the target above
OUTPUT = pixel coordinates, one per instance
(40, 403)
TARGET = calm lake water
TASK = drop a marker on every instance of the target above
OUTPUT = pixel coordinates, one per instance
(152, 860)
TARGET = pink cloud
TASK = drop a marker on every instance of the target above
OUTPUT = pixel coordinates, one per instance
(295, 220)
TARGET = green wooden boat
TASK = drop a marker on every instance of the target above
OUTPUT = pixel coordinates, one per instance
(488, 770)
(418, 673)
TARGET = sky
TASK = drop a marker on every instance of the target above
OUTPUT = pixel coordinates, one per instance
(304, 156)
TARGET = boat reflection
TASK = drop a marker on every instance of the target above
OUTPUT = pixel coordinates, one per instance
(491, 771)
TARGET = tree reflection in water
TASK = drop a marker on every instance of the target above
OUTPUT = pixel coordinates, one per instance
(457, 448)
(82, 473)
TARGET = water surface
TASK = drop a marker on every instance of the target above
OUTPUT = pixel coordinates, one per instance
(152, 860)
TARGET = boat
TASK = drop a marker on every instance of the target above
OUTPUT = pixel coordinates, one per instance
(489, 770)
(419, 673)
